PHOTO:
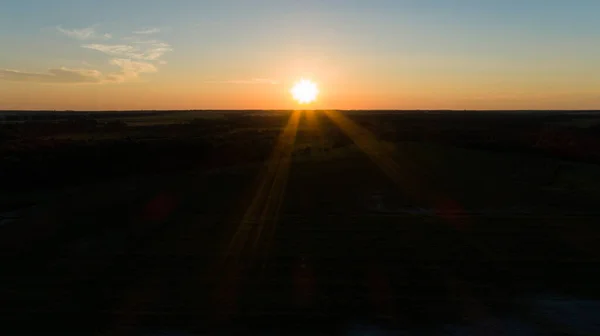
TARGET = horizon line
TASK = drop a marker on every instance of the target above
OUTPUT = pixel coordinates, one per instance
(286, 110)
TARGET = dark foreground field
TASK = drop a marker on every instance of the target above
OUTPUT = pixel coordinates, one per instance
(157, 223)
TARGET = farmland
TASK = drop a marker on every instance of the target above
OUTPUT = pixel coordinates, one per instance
(193, 221)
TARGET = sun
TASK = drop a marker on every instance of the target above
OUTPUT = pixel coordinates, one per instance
(304, 91)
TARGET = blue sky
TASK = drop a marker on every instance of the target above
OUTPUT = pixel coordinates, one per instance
(363, 54)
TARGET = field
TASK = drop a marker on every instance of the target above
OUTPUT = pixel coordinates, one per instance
(343, 222)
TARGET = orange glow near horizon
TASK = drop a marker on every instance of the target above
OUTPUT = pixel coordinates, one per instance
(342, 92)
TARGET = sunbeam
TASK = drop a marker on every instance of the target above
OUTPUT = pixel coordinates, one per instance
(315, 132)
(405, 175)
(260, 218)
(252, 239)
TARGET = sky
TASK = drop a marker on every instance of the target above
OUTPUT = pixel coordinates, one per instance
(246, 54)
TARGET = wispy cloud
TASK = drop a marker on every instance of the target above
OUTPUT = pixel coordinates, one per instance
(260, 81)
(129, 69)
(146, 41)
(146, 52)
(139, 39)
(147, 31)
(140, 55)
(84, 33)
(61, 75)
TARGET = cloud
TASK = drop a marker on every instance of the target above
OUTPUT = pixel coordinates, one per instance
(262, 81)
(146, 52)
(129, 69)
(84, 33)
(146, 41)
(61, 75)
(139, 57)
(147, 31)
(129, 65)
